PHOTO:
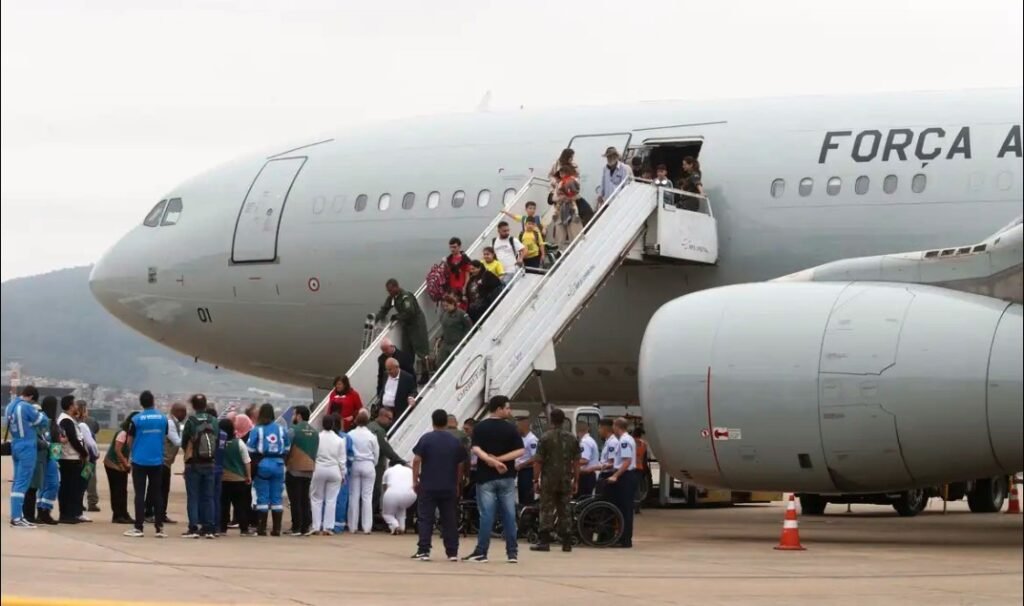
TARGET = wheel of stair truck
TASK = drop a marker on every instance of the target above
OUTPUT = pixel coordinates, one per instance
(911, 502)
(599, 523)
(987, 495)
(812, 504)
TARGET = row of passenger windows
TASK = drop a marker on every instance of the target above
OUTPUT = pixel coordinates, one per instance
(483, 198)
(861, 185)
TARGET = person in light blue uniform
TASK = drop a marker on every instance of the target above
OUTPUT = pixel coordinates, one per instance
(341, 507)
(22, 418)
(268, 441)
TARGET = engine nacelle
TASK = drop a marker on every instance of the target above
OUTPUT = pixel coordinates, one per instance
(834, 387)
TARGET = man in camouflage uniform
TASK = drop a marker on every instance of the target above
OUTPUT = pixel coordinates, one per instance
(413, 322)
(556, 475)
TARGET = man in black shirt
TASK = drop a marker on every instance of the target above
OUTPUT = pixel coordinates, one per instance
(496, 443)
(436, 475)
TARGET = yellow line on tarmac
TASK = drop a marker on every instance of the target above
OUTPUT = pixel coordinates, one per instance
(27, 601)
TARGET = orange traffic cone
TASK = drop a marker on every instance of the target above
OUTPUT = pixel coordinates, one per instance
(790, 540)
(1014, 506)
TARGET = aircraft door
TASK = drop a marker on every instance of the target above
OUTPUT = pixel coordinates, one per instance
(259, 218)
(590, 158)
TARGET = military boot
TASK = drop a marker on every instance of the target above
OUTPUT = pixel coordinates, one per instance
(543, 542)
(276, 530)
(261, 524)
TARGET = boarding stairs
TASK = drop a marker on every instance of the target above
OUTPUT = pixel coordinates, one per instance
(515, 338)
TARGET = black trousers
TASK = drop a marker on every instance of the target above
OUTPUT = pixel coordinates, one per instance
(146, 480)
(622, 493)
(524, 484)
(69, 497)
(447, 504)
(587, 483)
(298, 499)
(117, 480)
(28, 508)
(239, 496)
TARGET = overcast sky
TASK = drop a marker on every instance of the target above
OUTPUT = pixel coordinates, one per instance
(108, 103)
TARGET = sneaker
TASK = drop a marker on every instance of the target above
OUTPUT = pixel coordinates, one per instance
(308, 533)
(295, 533)
(249, 533)
(134, 533)
(233, 526)
(209, 535)
(453, 558)
(475, 557)
(22, 523)
(423, 556)
(160, 534)
(190, 534)
(513, 559)
(84, 519)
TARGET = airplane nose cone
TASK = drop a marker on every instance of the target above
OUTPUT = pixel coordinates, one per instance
(103, 282)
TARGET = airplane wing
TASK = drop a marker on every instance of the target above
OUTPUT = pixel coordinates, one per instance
(991, 267)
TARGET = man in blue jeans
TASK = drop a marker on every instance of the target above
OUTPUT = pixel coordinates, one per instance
(200, 438)
(497, 444)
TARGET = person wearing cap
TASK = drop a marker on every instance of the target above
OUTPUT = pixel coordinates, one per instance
(612, 175)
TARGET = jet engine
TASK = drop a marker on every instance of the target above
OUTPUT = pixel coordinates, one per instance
(833, 387)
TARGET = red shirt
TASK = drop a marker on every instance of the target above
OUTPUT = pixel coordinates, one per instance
(346, 406)
(458, 272)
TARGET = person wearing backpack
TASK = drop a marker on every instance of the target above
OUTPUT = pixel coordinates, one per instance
(200, 440)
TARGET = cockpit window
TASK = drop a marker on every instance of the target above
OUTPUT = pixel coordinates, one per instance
(173, 212)
(153, 218)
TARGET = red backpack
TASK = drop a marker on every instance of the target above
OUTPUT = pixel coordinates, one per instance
(437, 281)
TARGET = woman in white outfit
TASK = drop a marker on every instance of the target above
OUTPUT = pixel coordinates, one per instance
(398, 497)
(366, 451)
(328, 475)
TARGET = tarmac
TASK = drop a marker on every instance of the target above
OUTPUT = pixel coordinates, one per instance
(681, 556)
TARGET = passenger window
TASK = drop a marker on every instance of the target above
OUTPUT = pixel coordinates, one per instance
(889, 184)
(483, 198)
(806, 186)
(834, 185)
(458, 199)
(778, 188)
(433, 199)
(860, 186)
(919, 182)
(507, 196)
(361, 201)
(173, 212)
(384, 202)
(408, 200)
(153, 218)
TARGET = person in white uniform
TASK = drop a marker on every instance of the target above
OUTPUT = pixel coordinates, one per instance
(398, 496)
(328, 476)
(524, 464)
(611, 444)
(366, 451)
(622, 483)
(590, 460)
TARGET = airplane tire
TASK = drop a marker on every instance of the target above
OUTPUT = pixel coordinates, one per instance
(911, 503)
(988, 495)
(812, 504)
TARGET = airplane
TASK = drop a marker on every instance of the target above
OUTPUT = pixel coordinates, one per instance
(796, 184)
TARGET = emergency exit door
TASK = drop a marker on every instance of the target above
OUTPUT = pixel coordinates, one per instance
(590, 157)
(259, 218)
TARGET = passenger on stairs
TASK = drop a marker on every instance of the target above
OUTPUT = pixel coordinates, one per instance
(344, 401)
(492, 264)
(458, 266)
(533, 243)
(612, 175)
(566, 158)
(413, 322)
(508, 250)
(455, 325)
(481, 290)
(406, 361)
(399, 389)
(566, 224)
(690, 182)
(662, 180)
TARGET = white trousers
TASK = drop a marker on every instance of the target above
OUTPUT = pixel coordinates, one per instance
(360, 496)
(393, 507)
(323, 495)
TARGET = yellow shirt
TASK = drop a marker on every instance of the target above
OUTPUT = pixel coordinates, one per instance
(494, 267)
(536, 220)
(532, 241)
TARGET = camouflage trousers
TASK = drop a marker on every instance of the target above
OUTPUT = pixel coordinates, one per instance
(554, 510)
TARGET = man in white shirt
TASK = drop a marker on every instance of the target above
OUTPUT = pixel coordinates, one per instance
(622, 483)
(524, 464)
(366, 451)
(399, 388)
(607, 432)
(398, 496)
(508, 250)
(590, 460)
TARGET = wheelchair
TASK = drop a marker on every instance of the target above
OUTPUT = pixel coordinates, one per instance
(594, 521)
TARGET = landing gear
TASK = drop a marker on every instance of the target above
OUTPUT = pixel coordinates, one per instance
(911, 502)
(812, 504)
(988, 495)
